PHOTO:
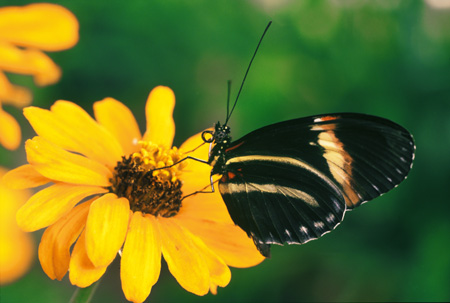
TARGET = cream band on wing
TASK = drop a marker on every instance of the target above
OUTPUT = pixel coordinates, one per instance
(340, 164)
(281, 160)
(268, 188)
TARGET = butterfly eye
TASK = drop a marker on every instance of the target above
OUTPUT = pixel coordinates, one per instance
(208, 136)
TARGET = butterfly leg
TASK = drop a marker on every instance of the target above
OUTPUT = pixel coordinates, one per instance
(203, 191)
(176, 163)
(211, 184)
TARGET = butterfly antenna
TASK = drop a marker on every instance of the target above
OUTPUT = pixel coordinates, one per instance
(228, 99)
(246, 73)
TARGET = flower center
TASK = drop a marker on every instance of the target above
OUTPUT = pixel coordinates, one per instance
(156, 192)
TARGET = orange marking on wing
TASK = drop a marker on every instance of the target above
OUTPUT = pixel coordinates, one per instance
(233, 147)
(328, 118)
(228, 176)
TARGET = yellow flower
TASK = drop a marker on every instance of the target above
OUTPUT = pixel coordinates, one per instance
(16, 246)
(124, 205)
(25, 32)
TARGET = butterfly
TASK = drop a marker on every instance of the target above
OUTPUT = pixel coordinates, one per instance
(293, 181)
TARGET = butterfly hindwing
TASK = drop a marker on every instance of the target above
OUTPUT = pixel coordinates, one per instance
(281, 200)
(336, 160)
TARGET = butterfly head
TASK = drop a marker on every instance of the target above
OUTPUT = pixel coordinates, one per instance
(219, 136)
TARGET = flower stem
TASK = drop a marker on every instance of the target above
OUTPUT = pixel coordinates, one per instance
(84, 295)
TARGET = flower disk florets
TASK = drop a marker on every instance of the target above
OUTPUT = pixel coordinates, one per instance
(149, 180)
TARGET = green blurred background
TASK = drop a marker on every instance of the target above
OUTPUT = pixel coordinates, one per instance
(384, 57)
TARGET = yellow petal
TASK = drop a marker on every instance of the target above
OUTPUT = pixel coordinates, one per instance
(141, 258)
(12, 94)
(196, 146)
(48, 205)
(218, 232)
(10, 200)
(29, 62)
(57, 164)
(16, 255)
(159, 109)
(195, 174)
(16, 247)
(46, 26)
(106, 228)
(9, 131)
(54, 249)
(74, 116)
(24, 176)
(70, 127)
(213, 288)
(227, 240)
(82, 272)
(120, 122)
(42, 67)
(207, 205)
(219, 272)
(183, 257)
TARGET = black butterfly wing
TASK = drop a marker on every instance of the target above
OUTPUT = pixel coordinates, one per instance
(281, 200)
(337, 160)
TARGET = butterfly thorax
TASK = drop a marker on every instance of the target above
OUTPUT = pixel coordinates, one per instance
(222, 140)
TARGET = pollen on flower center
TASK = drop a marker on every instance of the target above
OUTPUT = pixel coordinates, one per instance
(156, 192)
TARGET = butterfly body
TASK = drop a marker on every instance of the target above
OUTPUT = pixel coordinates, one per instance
(293, 181)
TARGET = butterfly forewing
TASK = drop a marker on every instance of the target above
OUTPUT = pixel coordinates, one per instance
(292, 181)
